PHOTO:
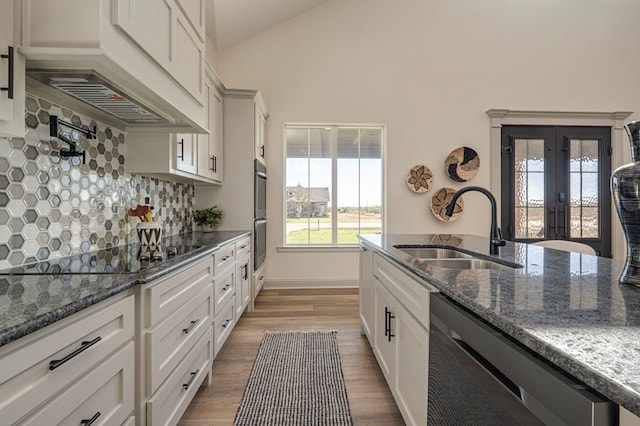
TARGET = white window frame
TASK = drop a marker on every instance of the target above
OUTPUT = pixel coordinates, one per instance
(334, 170)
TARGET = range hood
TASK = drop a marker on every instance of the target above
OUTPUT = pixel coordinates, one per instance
(97, 91)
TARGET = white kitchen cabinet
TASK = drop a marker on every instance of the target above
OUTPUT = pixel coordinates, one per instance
(224, 295)
(210, 146)
(163, 155)
(151, 52)
(68, 371)
(12, 75)
(240, 109)
(175, 313)
(366, 291)
(260, 128)
(186, 154)
(397, 314)
(166, 34)
(243, 275)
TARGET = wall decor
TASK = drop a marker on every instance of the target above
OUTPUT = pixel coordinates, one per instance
(462, 164)
(419, 178)
(439, 203)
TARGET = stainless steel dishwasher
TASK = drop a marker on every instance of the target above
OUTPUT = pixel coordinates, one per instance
(479, 376)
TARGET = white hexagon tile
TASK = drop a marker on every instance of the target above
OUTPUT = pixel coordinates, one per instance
(52, 207)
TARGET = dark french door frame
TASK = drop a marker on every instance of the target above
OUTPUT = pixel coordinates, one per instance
(499, 117)
(557, 182)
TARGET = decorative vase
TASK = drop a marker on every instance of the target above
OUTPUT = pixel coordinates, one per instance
(625, 187)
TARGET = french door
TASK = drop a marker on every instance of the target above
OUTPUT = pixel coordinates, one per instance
(555, 184)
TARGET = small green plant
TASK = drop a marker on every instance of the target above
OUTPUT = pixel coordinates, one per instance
(209, 217)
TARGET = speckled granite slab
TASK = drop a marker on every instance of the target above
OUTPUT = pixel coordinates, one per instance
(567, 307)
(31, 302)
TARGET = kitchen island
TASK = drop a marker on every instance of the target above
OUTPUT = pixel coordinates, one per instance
(567, 308)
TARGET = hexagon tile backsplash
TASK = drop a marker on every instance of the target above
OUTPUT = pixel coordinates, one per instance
(52, 207)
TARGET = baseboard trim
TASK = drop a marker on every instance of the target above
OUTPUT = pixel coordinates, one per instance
(298, 284)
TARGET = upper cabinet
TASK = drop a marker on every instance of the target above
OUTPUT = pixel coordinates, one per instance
(190, 157)
(210, 146)
(11, 75)
(261, 114)
(148, 54)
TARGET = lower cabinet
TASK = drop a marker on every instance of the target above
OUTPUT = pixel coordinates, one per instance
(399, 334)
(74, 370)
(175, 341)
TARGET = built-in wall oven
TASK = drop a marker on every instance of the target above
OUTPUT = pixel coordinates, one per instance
(259, 214)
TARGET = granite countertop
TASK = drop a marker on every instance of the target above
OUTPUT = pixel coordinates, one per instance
(31, 302)
(567, 307)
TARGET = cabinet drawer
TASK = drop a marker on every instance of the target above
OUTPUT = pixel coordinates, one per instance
(106, 392)
(224, 257)
(169, 342)
(243, 247)
(168, 404)
(222, 325)
(26, 378)
(224, 289)
(168, 294)
(412, 295)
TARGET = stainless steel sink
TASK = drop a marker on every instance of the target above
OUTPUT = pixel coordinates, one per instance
(469, 263)
(434, 253)
(448, 258)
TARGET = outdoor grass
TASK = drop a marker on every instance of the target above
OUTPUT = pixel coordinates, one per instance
(323, 236)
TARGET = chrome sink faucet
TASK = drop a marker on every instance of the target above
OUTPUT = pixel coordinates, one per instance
(495, 237)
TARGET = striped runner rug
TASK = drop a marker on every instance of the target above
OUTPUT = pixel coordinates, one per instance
(296, 380)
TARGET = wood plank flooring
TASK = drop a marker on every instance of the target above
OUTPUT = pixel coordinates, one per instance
(370, 400)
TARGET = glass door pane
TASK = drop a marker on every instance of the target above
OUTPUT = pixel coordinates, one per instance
(529, 200)
(584, 219)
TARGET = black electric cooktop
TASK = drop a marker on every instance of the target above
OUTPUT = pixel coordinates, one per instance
(127, 259)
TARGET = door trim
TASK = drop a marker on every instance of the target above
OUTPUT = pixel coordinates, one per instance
(621, 153)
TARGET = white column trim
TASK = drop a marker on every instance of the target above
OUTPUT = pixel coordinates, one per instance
(620, 155)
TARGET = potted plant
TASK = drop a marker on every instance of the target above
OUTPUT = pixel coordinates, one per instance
(208, 218)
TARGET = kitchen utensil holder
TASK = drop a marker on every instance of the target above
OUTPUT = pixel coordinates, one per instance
(149, 233)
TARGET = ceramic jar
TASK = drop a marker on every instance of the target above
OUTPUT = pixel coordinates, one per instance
(625, 188)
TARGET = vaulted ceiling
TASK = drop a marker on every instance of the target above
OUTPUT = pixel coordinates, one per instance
(232, 21)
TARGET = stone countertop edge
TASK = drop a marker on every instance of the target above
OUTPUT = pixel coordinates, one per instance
(122, 282)
(611, 389)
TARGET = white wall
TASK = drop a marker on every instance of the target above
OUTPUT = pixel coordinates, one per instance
(429, 69)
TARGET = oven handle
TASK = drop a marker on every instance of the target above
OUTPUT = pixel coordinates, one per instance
(261, 175)
(260, 221)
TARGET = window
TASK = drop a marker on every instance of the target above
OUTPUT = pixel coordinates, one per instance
(333, 183)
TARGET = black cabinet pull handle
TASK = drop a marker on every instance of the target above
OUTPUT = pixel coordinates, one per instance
(390, 335)
(224, 258)
(181, 156)
(193, 376)
(245, 268)
(9, 88)
(85, 345)
(213, 164)
(192, 324)
(262, 151)
(226, 287)
(226, 323)
(88, 422)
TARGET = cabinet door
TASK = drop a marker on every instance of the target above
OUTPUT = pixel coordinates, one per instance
(215, 141)
(243, 285)
(185, 152)
(260, 126)
(385, 339)
(366, 292)
(12, 77)
(412, 363)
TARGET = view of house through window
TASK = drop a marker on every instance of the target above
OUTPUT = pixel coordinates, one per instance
(333, 184)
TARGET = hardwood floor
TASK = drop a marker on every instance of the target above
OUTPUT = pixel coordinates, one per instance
(370, 400)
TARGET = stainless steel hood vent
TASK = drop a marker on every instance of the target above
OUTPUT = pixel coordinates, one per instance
(93, 89)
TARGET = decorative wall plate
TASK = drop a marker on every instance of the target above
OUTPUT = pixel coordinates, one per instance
(440, 201)
(420, 178)
(462, 164)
